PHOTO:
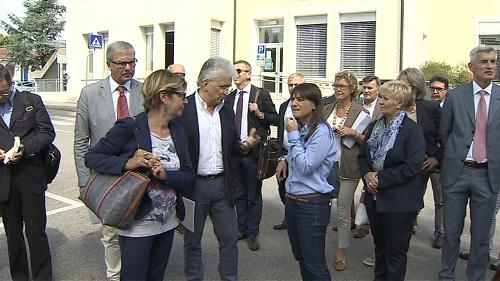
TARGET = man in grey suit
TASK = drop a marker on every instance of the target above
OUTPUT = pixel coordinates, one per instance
(470, 171)
(99, 106)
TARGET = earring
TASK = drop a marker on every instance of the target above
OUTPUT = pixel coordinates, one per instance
(165, 108)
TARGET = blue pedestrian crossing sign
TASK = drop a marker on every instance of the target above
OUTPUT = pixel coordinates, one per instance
(95, 41)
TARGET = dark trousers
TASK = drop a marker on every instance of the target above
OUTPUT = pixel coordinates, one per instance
(249, 203)
(282, 191)
(24, 207)
(306, 226)
(211, 200)
(145, 258)
(391, 235)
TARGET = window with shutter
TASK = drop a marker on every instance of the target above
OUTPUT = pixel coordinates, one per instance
(311, 50)
(492, 41)
(214, 42)
(357, 51)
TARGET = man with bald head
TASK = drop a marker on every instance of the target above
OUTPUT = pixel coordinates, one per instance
(286, 111)
(181, 71)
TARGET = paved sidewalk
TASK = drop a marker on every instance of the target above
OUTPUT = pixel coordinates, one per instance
(59, 100)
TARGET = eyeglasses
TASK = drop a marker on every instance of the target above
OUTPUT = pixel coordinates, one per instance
(179, 94)
(293, 85)
(181, 74)
(439, 89)
(123, 64)
(241, 70)
(340, 87)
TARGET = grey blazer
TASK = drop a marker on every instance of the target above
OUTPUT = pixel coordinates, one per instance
(457, 130)
(95, 115)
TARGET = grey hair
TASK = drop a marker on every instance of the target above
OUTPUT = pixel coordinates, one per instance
(481, 49)
(296, 74)
(118, 46)
(213, 67)
(416, 80)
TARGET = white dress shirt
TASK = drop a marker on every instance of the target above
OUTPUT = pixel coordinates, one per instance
(244, 112)
(475, 90)
(370, 107)
(113, 85)
(210, 161)
(288, 113)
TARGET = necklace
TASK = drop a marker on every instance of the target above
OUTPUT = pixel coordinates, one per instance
(342, 121)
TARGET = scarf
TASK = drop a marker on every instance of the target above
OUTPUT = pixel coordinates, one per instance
(382, 139)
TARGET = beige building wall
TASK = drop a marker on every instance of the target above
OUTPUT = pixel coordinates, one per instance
(128, 21)
(433, 30)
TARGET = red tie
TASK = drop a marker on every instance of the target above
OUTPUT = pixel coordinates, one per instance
(122, 106)
(479, 146)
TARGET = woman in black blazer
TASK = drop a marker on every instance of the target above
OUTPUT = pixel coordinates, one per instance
(390, 162)
(156, 145)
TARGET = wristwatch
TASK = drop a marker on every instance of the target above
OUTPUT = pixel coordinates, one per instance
(261, 115)
(282, 158)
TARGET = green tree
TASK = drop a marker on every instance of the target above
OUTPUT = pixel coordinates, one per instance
(33, 36)
(4, 40)
(457, 74)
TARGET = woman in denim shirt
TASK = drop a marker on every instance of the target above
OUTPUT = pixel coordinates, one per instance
(309, 161)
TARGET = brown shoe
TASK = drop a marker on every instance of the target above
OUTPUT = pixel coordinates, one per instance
(362, 231)
(340, 265)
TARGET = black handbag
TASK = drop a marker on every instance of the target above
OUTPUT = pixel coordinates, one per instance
(269, 154)
(334, 179)
(51, 155)
(52, 161)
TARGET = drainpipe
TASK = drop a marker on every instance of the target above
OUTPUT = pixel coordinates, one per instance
(234, 30)
(401, 33)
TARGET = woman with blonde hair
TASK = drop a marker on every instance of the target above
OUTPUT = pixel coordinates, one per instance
(154, 144)
(390, 163)
(341, 115)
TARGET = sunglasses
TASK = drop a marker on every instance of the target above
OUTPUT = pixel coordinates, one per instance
(241, 70)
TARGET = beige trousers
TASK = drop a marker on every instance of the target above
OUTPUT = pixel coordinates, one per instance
(344, 204)
(112, 255)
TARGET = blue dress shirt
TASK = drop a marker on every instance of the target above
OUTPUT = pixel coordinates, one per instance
(6, 107)
(310, 162)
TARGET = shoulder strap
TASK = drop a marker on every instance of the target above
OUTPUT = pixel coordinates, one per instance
(257, 95)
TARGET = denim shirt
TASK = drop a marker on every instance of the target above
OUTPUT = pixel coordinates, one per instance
(310, 162)
(6, 108)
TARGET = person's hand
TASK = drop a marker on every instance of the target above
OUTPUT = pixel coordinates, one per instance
(253, 107)
(2, 154)
(251, 141)
(371, 180)
(157, 169)
(18, 155)
(430, 164)
(347, 132)
(281, 170)
(140, 159)
(291, 124)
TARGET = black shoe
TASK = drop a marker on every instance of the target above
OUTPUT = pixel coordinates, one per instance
(463, 255)
(494, 264)
(280, 226)
(241, 236)
(335, 228)
(438, 241)
(253, 243)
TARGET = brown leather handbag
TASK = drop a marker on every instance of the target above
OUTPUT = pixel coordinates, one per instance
(114, 199)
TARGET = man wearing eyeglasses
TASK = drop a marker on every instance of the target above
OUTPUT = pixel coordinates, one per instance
(439, 89)
(253, 108)
(99, 106)
(285, 111)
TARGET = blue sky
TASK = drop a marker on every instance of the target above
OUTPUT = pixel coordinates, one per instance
(10, 6)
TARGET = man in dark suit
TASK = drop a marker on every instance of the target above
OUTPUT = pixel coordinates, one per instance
(99, 106)
(253, 108)
(23, 180)
(285, 111)
(210, 127)
(470, 171)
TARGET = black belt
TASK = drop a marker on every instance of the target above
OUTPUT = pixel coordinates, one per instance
(209, 177)
(304, 198)
(475, 165)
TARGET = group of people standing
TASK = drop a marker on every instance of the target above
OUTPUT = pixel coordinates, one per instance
(204, 147)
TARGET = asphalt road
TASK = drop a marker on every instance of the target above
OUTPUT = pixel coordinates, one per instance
(77, 253)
